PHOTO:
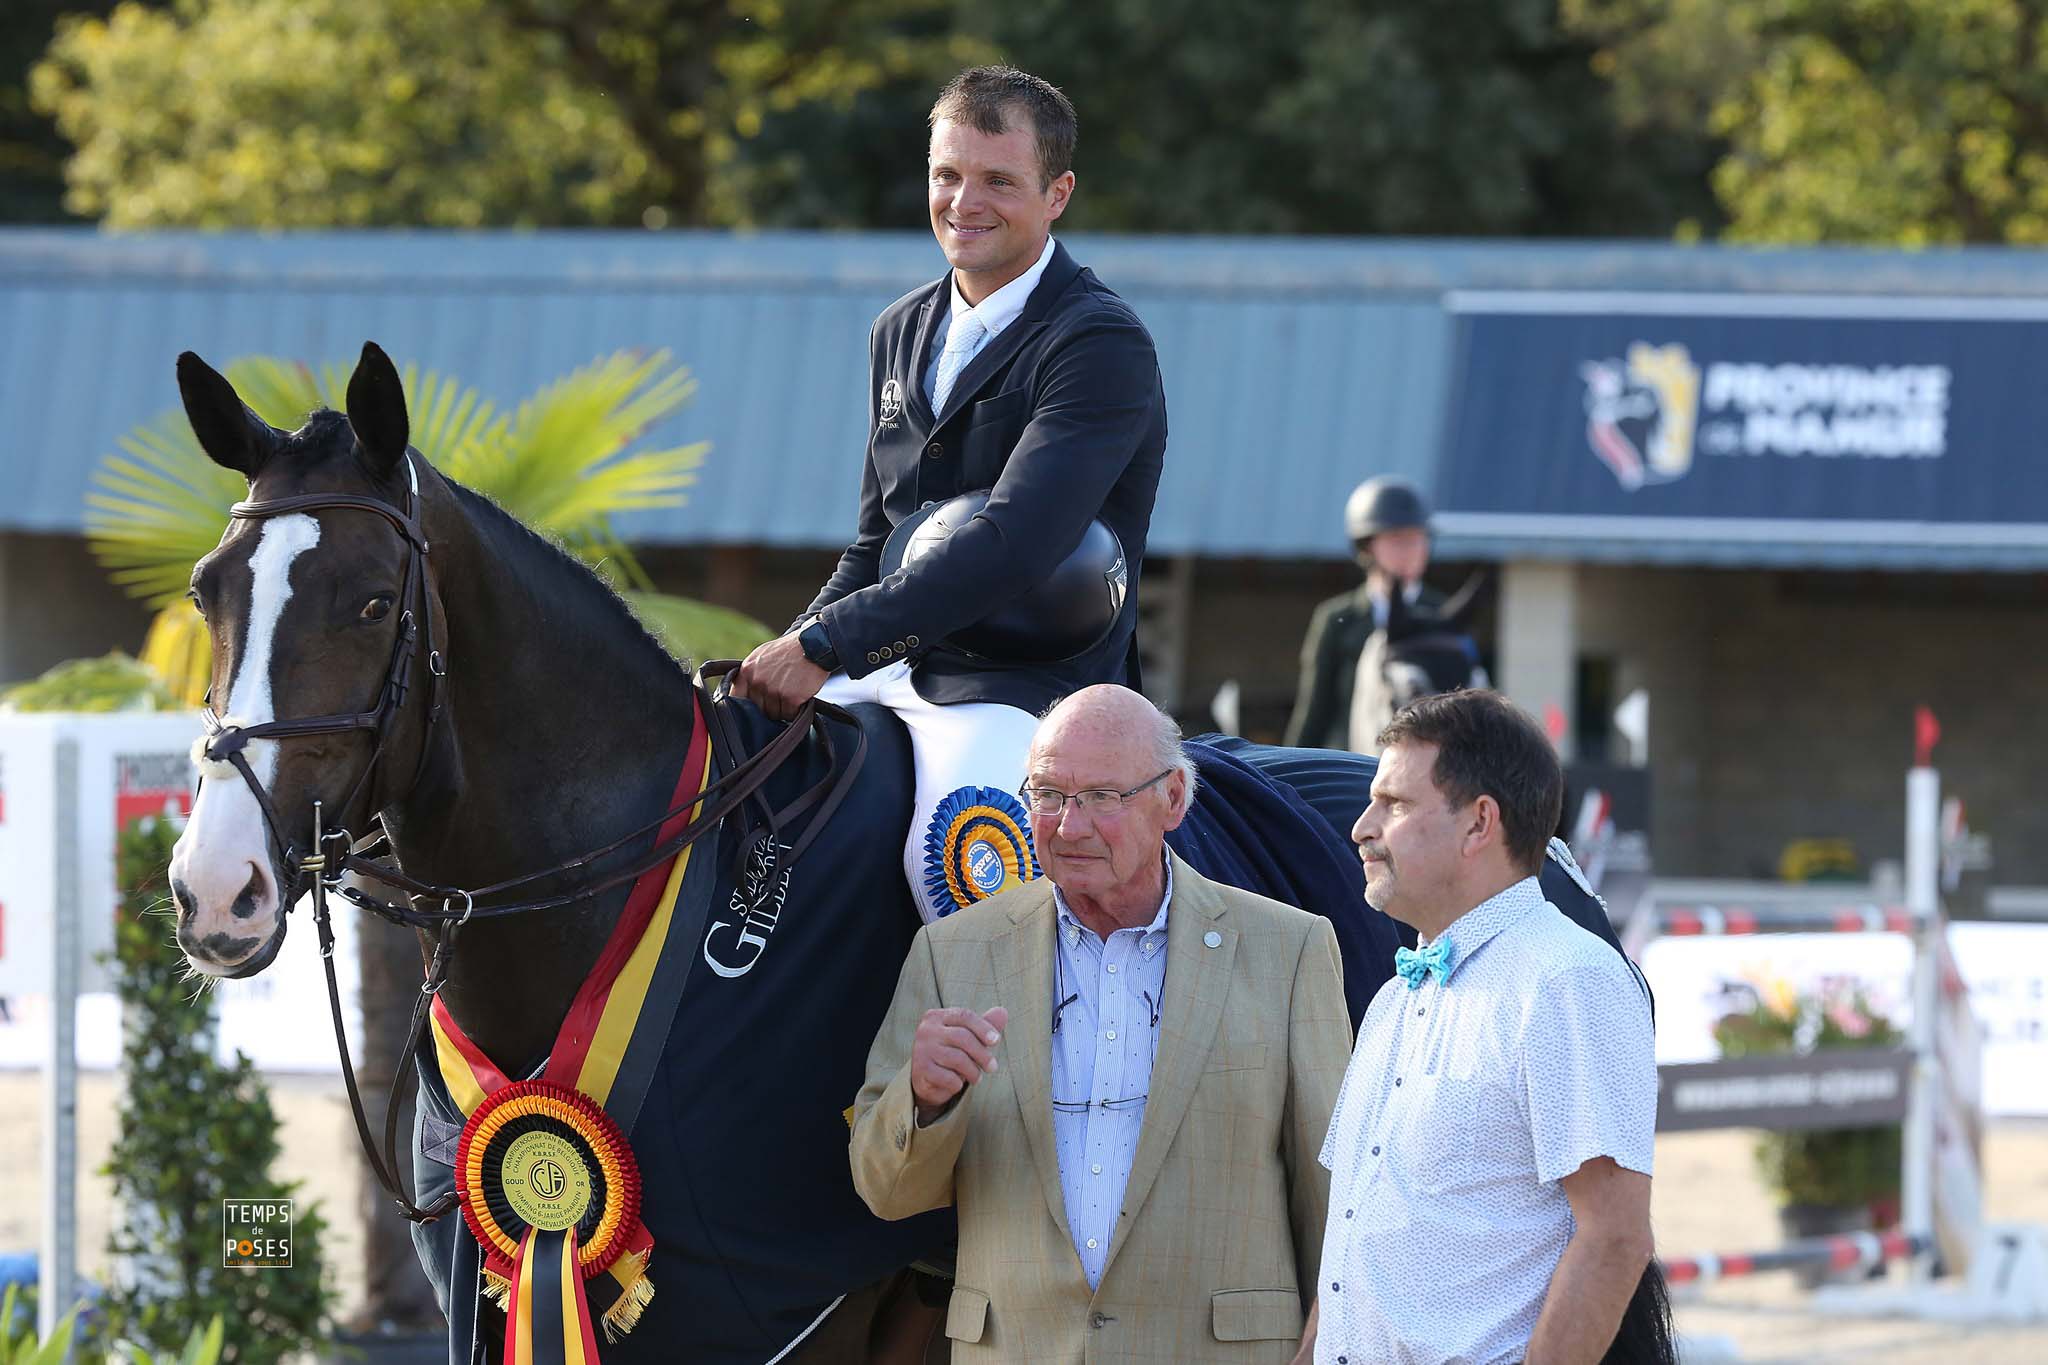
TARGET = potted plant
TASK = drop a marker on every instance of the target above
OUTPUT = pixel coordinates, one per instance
(1830, 1180)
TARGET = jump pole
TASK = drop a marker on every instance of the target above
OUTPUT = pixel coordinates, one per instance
(1923, 904)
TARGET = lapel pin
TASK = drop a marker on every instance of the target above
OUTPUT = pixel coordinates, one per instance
(1212, 939)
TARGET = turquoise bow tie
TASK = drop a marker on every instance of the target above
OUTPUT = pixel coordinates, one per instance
(1412, 966)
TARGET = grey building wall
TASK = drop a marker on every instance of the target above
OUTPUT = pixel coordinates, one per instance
(1782, 707)
(56, 604)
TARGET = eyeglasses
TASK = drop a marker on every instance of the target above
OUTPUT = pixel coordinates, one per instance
(1095, 801)
(1066, 998)
(1128, 1102)
(1108, 1106)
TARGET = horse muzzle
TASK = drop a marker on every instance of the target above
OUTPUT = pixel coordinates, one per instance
(237, 940)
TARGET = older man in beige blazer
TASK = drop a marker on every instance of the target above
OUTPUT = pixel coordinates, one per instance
(1144, 1186)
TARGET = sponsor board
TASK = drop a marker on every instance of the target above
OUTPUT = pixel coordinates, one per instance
(1712, 409)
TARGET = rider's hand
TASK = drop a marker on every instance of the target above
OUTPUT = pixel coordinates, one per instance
(953, 1049)
(778, 678)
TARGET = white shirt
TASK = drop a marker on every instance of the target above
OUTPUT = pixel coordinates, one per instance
(1102, 1049)
(1465, 1103)
(994, 313)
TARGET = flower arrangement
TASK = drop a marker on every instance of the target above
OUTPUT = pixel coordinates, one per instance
(1842, 1168)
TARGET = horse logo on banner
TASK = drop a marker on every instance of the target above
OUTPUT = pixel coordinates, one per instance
(1654, 393)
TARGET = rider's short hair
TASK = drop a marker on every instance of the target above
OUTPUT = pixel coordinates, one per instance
(982, 97)
(1488, 746)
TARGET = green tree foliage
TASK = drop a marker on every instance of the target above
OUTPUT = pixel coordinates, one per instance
(1901, 121)
(303, 113)
(1410, 116)
(1432, 117)
(192, 1133)
(466, 113)
(31, 151)
(1883, 121)
(1895, 122)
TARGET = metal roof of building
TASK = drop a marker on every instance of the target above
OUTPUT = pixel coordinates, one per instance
(1294, 368)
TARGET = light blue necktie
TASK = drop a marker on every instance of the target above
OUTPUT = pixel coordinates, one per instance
(963, 339)
(1412, 966)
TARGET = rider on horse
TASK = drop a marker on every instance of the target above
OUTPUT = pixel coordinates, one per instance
(1020, 376)
(1387, 520)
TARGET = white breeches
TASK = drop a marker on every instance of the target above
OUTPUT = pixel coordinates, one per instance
(970, 836)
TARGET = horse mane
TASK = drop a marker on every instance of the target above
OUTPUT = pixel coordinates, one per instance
(587, 600)
(316, 435)
(590, 603)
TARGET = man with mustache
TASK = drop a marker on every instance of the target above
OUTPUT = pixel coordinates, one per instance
(1490, 1153)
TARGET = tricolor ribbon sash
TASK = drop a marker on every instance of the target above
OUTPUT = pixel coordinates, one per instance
(547, 1178)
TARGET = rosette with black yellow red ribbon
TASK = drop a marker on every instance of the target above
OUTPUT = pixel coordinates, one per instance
(548, 1182)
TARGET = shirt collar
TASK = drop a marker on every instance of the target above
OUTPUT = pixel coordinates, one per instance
(1001, 308)
(1469, 931)
(1071, 928)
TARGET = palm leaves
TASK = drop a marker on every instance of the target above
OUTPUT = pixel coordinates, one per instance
(559, 462)
(161, 506)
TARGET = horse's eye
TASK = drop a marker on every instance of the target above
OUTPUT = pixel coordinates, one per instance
(192, 596)
(376, 609)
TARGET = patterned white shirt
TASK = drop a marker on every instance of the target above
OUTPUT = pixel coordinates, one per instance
(995, 312)
(1103, 1042)
(1465, 1103)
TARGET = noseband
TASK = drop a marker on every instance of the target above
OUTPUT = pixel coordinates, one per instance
(334, 854)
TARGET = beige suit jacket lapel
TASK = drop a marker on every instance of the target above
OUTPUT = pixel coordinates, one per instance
(1023, 962)
(1197, 980)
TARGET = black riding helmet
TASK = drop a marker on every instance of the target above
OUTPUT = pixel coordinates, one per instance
(1385, 503)
(1071, 612)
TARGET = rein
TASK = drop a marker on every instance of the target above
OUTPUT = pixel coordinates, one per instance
(739, 784)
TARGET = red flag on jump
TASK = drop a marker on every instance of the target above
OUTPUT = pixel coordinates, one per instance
(1926, 734)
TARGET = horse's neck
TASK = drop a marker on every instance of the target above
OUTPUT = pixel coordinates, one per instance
(564, 729)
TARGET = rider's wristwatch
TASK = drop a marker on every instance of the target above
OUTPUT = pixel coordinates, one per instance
(817, 645)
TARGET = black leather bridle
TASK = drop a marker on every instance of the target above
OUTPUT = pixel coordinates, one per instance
(333, 854)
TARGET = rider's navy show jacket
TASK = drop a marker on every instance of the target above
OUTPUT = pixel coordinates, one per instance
(1063, 415)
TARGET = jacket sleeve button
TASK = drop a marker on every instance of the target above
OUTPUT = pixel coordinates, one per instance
(913, 642)
(873, 657)
(884, 651)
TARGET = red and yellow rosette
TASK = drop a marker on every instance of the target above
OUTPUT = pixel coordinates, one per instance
(551, 1192)
(548, 1183)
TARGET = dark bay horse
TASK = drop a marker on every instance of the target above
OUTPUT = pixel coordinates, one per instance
(389, 646)
(561, 725)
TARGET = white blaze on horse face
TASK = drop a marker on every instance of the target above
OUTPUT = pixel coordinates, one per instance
(225, 849)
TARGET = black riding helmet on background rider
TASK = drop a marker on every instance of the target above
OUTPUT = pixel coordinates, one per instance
(1387, 519)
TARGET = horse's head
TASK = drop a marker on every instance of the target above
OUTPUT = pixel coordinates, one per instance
(312, 613)
(1419, 653)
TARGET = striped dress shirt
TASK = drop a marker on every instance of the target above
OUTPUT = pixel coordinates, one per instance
(1105, 1032)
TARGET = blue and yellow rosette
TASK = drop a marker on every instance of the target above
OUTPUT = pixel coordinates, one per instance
(978, 843)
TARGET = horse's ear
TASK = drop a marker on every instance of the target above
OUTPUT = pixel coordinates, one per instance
(231, 435)
(376, 410)
(1400, 615)
(1457, 613)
